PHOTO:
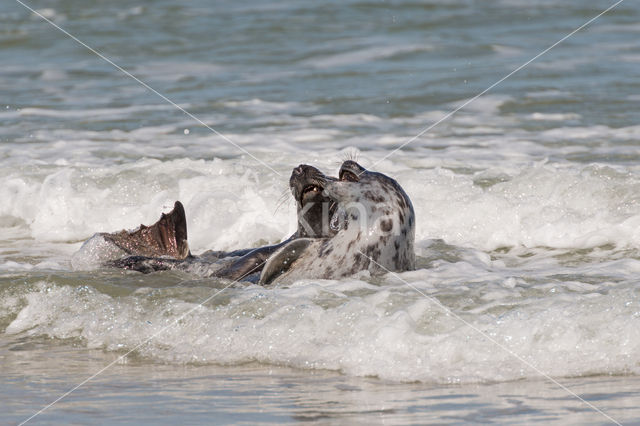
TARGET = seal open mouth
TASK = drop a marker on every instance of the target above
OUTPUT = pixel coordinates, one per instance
(315, 208)
(313, 189)
(350, 171)
(307, 184)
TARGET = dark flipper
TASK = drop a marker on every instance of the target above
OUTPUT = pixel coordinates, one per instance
(166, 237)
(232, 267)
(145, 264)
(251, 262)
(282, 260)
(163, 246)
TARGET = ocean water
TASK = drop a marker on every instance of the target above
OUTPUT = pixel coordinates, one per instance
(525, 307)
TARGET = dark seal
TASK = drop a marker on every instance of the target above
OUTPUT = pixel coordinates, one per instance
(164, 246)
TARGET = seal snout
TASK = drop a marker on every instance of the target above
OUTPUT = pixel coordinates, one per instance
(351, 171)
(306, 180)
(314, 206)
(298, 170)
(304, 172)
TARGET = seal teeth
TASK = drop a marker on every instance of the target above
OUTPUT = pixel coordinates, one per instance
(310, 188)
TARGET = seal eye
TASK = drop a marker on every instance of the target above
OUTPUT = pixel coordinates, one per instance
(346, 175)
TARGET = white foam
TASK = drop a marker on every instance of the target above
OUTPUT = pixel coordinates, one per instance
(393, 332)
(101, 113)
(15, 266)
(174, 71)
(94, 253)
(261, 106)
(539, 116)
(485, 105)
(504, 50)
(224, 209)
(362, 55)
(232, 205)
(540, 206)
(50, 14)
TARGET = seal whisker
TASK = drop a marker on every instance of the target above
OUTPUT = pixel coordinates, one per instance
(351, 155)
(282, 200)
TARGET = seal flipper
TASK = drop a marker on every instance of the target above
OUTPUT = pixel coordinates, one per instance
(166, 237)
(282, 260)
(251, 261)
(144, 264)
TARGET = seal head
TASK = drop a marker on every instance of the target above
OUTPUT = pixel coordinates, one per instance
(314, 206)
(378, 214)
(373, 228)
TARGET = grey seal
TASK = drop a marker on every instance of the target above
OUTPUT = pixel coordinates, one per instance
(362, 220)
(374, 225)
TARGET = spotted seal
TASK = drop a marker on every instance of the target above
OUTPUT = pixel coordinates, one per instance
(374, 225)
(164, 245)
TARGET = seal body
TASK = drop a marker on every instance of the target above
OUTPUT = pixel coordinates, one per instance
(361, 221)
(163, 245)
(374, 225)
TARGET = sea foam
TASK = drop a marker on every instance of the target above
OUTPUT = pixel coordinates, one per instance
(392, 332)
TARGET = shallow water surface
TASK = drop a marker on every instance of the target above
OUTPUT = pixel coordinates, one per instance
(527, 204)
(136, 391)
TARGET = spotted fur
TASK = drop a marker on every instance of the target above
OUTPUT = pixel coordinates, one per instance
(375, 232)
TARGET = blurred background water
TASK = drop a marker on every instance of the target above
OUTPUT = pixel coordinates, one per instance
(527, 206)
